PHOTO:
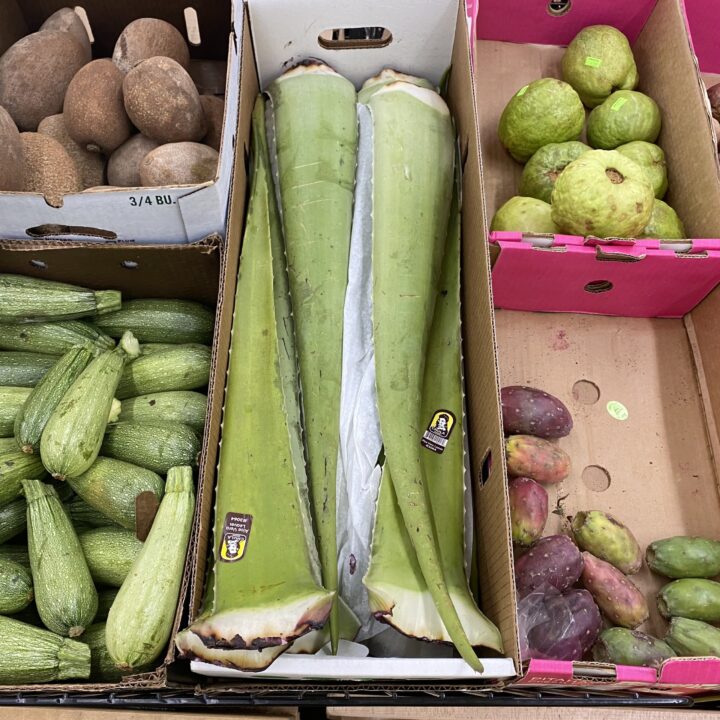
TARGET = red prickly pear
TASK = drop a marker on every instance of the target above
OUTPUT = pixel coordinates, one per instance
(621, 602)
(527, 411)
(528, 510)
(533, 457)
(554, 561)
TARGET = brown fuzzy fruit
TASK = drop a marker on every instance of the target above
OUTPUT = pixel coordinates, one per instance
(124, 163)
(214, 109)
(714, 97)
(90, 165)
(12, 162)
(146, 38)
(163, 102)
(67, 20)
(183, 163)
(35, 73)
(94, 112)
(48, 168)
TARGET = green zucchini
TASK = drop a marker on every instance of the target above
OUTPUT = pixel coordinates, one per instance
(8, 443)
(16, 587)
(141, 618)
(110, 486)
(11, 400)
(13, 519)
(186, 367)
(106, 598)
(110, 553)
(64, 591)
(47, 394)
(102, 666)
(52, 338)
(156, 447)
(23, 369)
(24, 299)
(161, 321)
(16, 553)
(16, 466)
(182, 406)
(31, 655)
(84, 515)
(150, 348)
(73, 435)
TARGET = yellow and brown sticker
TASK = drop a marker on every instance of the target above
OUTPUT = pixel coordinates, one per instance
(235, 536)
(438, 432)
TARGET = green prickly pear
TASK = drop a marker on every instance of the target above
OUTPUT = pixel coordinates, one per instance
(621, 646)
(684, 557)
(693, 638)
(693, 598)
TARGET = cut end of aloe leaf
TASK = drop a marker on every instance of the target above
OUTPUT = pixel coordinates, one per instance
(192, 648)
(423, 94)
(308, 67)
(107, 301)
(414, 614)
(264, 626)
(385, 77)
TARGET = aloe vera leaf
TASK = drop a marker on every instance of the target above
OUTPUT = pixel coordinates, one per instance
(265, 592)
(413, 157)
(315, 142)
(398, 592)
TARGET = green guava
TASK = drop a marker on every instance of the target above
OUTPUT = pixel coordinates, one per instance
(602, 193)
(545, 111)
(625, 116)
(664, 223)
(597, 62)
(652, 159)
(524, 214)
(544, 167)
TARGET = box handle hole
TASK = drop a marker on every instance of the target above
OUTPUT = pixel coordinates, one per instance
(192, 26)
(486, 467)
(598, 286)
(558, 8)
(586, 392)
(354, 38)
(596, 478)
(41, 264)
(51, 229)
(80, 12)
(130, 264)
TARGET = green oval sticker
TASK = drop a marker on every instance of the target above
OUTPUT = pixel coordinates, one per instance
(618, 104)
(593, 62)
(522, 91)
(617, 410)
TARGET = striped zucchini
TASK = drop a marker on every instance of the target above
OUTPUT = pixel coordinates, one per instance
(16, 553)
(47, 394)
(13, 519)
(179, 406)
(73, 435)
(8, 443)
(106, 597)
(102, 666)
(64, 591)
(31, 655)
(110, 487)
(23, 369)
(11, 401)
(52, 338)
(16, 587)
(413, 158)
(85, 516)
(16, 466)
(185, 367)
(161, 321)
(110, 553)
(136, 638)
(25, 299)
(156, 447)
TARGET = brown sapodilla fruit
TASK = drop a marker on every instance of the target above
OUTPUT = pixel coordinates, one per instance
(67, 20)
(90, 165)
(214, 108)
(149, 37)
(124, 164)
(35, 73)
(94, 112)
(163, 102)
(12, 161)
(184, 163)
(714, 97)
(48, 168)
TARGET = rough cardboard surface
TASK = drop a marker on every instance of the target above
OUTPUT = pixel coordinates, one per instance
(657, 462)
(668, 73)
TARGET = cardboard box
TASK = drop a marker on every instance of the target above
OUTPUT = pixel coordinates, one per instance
(525, 42)
(425, 41)
(172, 214)
(188, 272)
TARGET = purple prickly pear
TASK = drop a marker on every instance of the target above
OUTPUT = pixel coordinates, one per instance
(554, 561)
(527, 411)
